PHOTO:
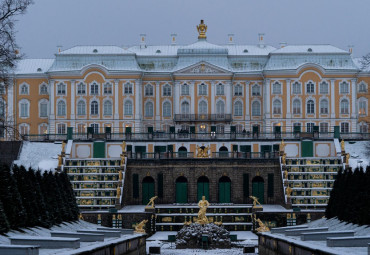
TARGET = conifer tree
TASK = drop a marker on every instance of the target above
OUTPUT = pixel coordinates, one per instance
(52, 197)
(4, 224)
(71, 199)
(43, 212)
(65, 209)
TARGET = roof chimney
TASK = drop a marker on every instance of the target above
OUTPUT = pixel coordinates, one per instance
(283, 44)
(59, 47)
(350, 48)
(142, 41)
(261, 43)
(173, 39)
(230, 38)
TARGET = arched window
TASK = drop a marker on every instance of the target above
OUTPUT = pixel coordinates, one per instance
(256, 90)
(276, 107)
(220, 107)
(324, 87)
(107, 108)
(166, 90)
(149, 90)
(43, 129)
(185, 108)
(61, 89)
(324, 106)
(256, 108)
(220, 89)
(344, 88)
(81, 108)
(185, 89)
(296, 88)
(310, 88)
(81, 89)
(202, 89)
(24, 129)
(94, 109)
(276, 88)
(43, 89)
(310, 107)
(128, 107)
(43, 110)
(94, 89)
(362, 106)
(24, 89)
(108, 89)
(203, 109)
(362, 87)
(344, 106)
(128, 88)
(296, 106)
(238, 108)
(238, 90)
(61, 108)
(166, 109)
(149, 109)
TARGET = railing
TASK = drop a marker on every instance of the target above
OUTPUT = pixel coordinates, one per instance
(183, 136)
(203, 117)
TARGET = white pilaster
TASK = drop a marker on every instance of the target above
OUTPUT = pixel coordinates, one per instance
(176, 97)
(332, 98)
(138, 104)
(266, 99)
(353, 99)
(229, 99)
(288, 114)
(52, 107)
(192, 96)
(73, 99)
(212, 100)
(247, 100)
(157, 105)
(116, 110)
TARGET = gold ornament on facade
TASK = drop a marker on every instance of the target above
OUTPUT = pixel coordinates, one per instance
(140, 227)
(288, 191)
(120, 175)
(99, 216)
(118, 192)
(342, 145)
(151, 202)
(282, 145)
(262, 227)
(202, 29)
(203, 205)
(256, 204)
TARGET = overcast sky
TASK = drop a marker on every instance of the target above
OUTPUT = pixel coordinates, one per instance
(49, 23)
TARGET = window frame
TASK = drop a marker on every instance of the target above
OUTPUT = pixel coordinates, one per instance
(94, 107)
(202, 89)
(61, 89)
(167, 90)
(81, 88)
(238, 90)
(344, 127)
(41, 110)
(106, 87)
(166, 109)
(296, 85)
(238, 108)
(344, 107)
(128, 88)
(42, 90)
(220, 89)
(254, 113)
(24, 112)
(94, 89)
(149, 90)
(310, 109)
(79, 112)
(344, 89)
(296, 110)
(105, 112)
(276, 88)
(321, 88)
(277, 110)
(322, 106)
(147, 113)
(62, 113)
(185, 89)
(310, 87)
(127, 108)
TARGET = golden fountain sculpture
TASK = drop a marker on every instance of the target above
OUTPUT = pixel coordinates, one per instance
(151, 202)
(202, 152)
(262, 227)
(203, 205)
(256, 204)
(140, 227)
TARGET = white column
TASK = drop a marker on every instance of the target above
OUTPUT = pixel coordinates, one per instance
(73, 99)
(212, 98)
(332, 98)
(116, 110)
(247, 101)
(266, 103)
(288, 115)
(138, 102)
(176, 97)
(353, 99)
(192, 96)
(157, 105)
(229, 99)
(51, 105)
(10, 116)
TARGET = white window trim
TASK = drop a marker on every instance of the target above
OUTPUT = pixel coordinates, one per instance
(300, 103)
(78, 101)
(314, 88)
(359, 85)
(47, 108)
(206, 90)
(314, 104)
(47, 88)
(349, 105)
(90, 103)
(348, 87)
(163, 90)
(238, 85)
(112, 88)
(65, 89)
(112, 108)
(320, 101)
(124, 107)
(99, 88)
(28, 108)
(57, 111)
(260, 108)
(147, 86)
(242, 108)
(20, 89)
(167, 101)
(86, 87)
(153, 109)
(272, 88)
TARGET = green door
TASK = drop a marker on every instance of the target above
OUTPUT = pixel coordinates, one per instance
(181, 190)
(203, 187)
(224, 187)
(307, 148)
(147, 189)
(99, 149)
(264, 149)
(258, 188)
(160, 149)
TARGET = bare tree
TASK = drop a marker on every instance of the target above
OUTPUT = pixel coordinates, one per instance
(365, 61)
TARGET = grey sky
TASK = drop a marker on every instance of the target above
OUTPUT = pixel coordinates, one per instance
(49, 23)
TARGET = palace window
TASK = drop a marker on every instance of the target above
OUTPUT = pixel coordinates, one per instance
(24, 89)
(43, 128)
(238, 108)
(43, 109)
(324, 127)
(108, 89)
(220, 107)
(296, 88)
(310, 127)
(310, 107)
(362, 87)
(239, 128)
(94, 89)
(166, 109)
(363, 128)
(149, 109)
(43, 89)
(128, 89)
(128, 108)
(362, 106)
(276, 88)
(61, 89)
(24, 111)
(276, 107)
(344, 88)
(185, 108)
(61, 128)
(95, 128)
(296, 106)
(166, 90)
(324, 106)
(202, 89)
(238, 90)
(81, 108)
(219, 89)
(81, 89)
(94, 108)
(24, 129)
(344, 127)
(220, 129)
(61, 108)
(256, 108)
(256, 90)
(310, 88)
(107, 108)
(203, 108)
(185, 89)
(324, 88)
(344, 106)
(149, 91)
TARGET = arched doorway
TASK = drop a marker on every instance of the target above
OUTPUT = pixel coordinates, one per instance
(181, 190)
(148, 189)
(223, 152)
(224, 190)
(183, 152)
(258, 188)
(203, 187)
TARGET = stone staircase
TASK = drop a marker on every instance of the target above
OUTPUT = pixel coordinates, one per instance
(233, 217)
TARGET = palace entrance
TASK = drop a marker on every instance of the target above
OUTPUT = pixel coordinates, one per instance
(258, 188)
(181, 190)
(203, 188)
(148, 189)
(224, 189)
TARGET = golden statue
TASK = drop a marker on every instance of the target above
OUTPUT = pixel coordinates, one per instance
(123, 145)
(63, 147)
(99, 216)
(288, 191)
(202, 29)
(218, 223)
(199, 152)
(262, 226)
(151, 202)
(203, 205)
(81, 217)
(256, 204)
(187, 223)
(283, 159)
(282, 145)
(286, 174)
(347, 158)
(122, 159)
(205, 152)
(120, 175)
(342, 144)
(118, 192)
(140, 227)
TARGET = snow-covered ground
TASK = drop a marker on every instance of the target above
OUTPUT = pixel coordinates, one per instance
(358, 151)
(43, 156)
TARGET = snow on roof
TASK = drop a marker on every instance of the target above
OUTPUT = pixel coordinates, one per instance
(245, 50)
(33, 66)
(359, 65)
(202, 47)
(43, 156)
(84, 50)
(155, 50)
(359, 152)
(310, 48)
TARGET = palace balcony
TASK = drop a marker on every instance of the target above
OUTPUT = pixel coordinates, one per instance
(203, 118)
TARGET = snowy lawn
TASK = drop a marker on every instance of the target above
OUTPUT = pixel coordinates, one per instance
(358, 151)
